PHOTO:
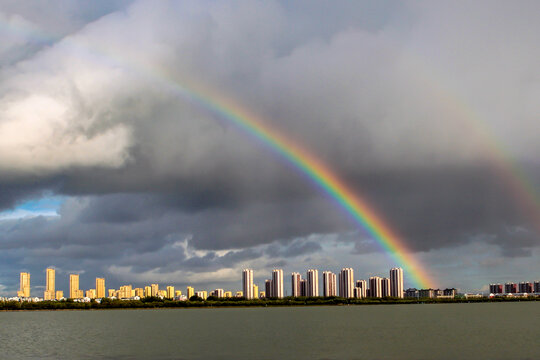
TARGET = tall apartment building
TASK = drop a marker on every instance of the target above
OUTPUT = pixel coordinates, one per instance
(190, 292)
(100, 288)
(74, 291)
(50, 291)
(396, 282)
(59, 294)
(357, 292)
(247, 283)
(385, 287)
(24, 285)
(155, 289)
(346, 283)
(303, 287)
(537, 286)
(496, 288)
(526, 287)
(375, 287)
(362, 285)
(219, 293)
(277, 283)
(510, 288)
(147, 291)
(295, 284)
(170, 292)
(268, 288)
(255, 291)
(329, 284)
(312, 282)
(91, 294)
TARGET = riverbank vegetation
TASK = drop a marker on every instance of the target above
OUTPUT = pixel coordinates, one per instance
(153, 302)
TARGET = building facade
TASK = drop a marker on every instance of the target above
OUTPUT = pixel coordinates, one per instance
(247, 283)
(100, 288)
(329, 284)
(396, 282)
(277, 283)
(346, 283)
(50, 290)
(295, 284)
(312, 282)
(375, 286)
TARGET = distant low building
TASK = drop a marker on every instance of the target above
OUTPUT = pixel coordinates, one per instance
(411, 293)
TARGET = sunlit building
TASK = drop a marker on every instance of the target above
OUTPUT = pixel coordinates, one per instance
(375, 287)
(277, 283)
(362, 285)
(91, 293)
(59, 294)
(74, 291)
(227, 294)
(111, 292)
(218, 293)
(155, 289)
(255, 291)
(329, 284)
(202, 294)
(177, 293)
(312, 278)
(262, 294)
(190, 291)
(139, 292)
(24, 285)
(50, 292)
(247, 283)
(396, 282)
(295, 284)
(346, 283)
(100, 288)
(147, 291)
(170, 292)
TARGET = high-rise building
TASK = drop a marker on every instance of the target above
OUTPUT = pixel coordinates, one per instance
(357, 293)
(375, 287)
(24, 285)
(303, 287)
(202, 294)
(74, 286)
(139, 292)
(295, 284)
(247, 283)
(396, 282)
(170, 292)
(537, 286)
(329, 284)
(155, 289)
(50, 291)
(385, 287)
(255, 291)
(496, 288)
(362, 285)
(312, 278)
(277, 283)
(100, 288)
(510, 288)
(346, 283)
(111, 293)
(59, 294)
(268, 287)
(190, 292)
(526, 287)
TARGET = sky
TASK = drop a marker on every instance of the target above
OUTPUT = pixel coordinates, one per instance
(428, 110)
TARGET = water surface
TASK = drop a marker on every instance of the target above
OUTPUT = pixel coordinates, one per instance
(435, 331)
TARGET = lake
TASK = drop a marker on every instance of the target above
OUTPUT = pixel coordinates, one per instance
(434, 331)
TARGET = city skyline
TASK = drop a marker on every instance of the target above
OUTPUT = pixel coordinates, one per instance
(380, 139)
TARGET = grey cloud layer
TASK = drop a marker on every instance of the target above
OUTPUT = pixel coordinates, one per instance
(390, 95)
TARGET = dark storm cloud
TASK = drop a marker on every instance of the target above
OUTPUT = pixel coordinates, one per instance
(158, 184)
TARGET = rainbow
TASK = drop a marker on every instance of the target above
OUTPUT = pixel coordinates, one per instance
(319, 173)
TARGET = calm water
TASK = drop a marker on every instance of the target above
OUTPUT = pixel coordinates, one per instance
(449, 331)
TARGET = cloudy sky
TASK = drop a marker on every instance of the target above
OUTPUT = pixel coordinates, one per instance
(429, 110)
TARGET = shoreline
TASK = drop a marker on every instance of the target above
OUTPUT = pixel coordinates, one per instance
(14, 306)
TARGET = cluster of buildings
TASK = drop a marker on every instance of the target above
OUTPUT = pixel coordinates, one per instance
(342, 284)
(514, 289)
